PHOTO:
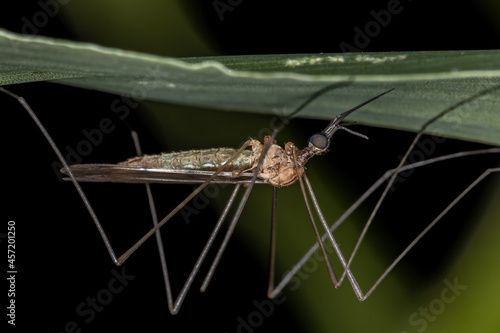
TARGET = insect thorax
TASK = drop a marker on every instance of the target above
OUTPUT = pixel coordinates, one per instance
(278, 168)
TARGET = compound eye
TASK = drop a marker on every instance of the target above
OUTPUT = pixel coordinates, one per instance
(319, 141)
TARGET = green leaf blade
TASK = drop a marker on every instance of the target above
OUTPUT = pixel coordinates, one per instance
(425, 83)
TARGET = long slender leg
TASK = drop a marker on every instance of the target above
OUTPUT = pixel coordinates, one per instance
(392, 175)
(357, 289)
(238, 213)
(296, 268)
(182, 204)
(429, 227)
(52, 144)
(361, 296)
(352, 279)
(154, 217)
(126, 255)
(174, 308)
(272, 292)
(405, 158)
(252, 182)
(393, 178)
(174, 305)
(329, 267)
(272, 246)
(133, 248)
(329, 231)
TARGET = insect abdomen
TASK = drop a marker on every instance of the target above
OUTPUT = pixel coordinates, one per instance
(205, 159)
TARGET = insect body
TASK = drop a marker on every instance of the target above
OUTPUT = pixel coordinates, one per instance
(277, 168)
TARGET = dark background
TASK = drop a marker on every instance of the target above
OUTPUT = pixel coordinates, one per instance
(61, 260)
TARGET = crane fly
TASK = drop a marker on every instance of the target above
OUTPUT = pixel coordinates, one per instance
(265, 163)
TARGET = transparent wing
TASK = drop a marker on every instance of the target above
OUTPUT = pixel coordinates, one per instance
(134, 174)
